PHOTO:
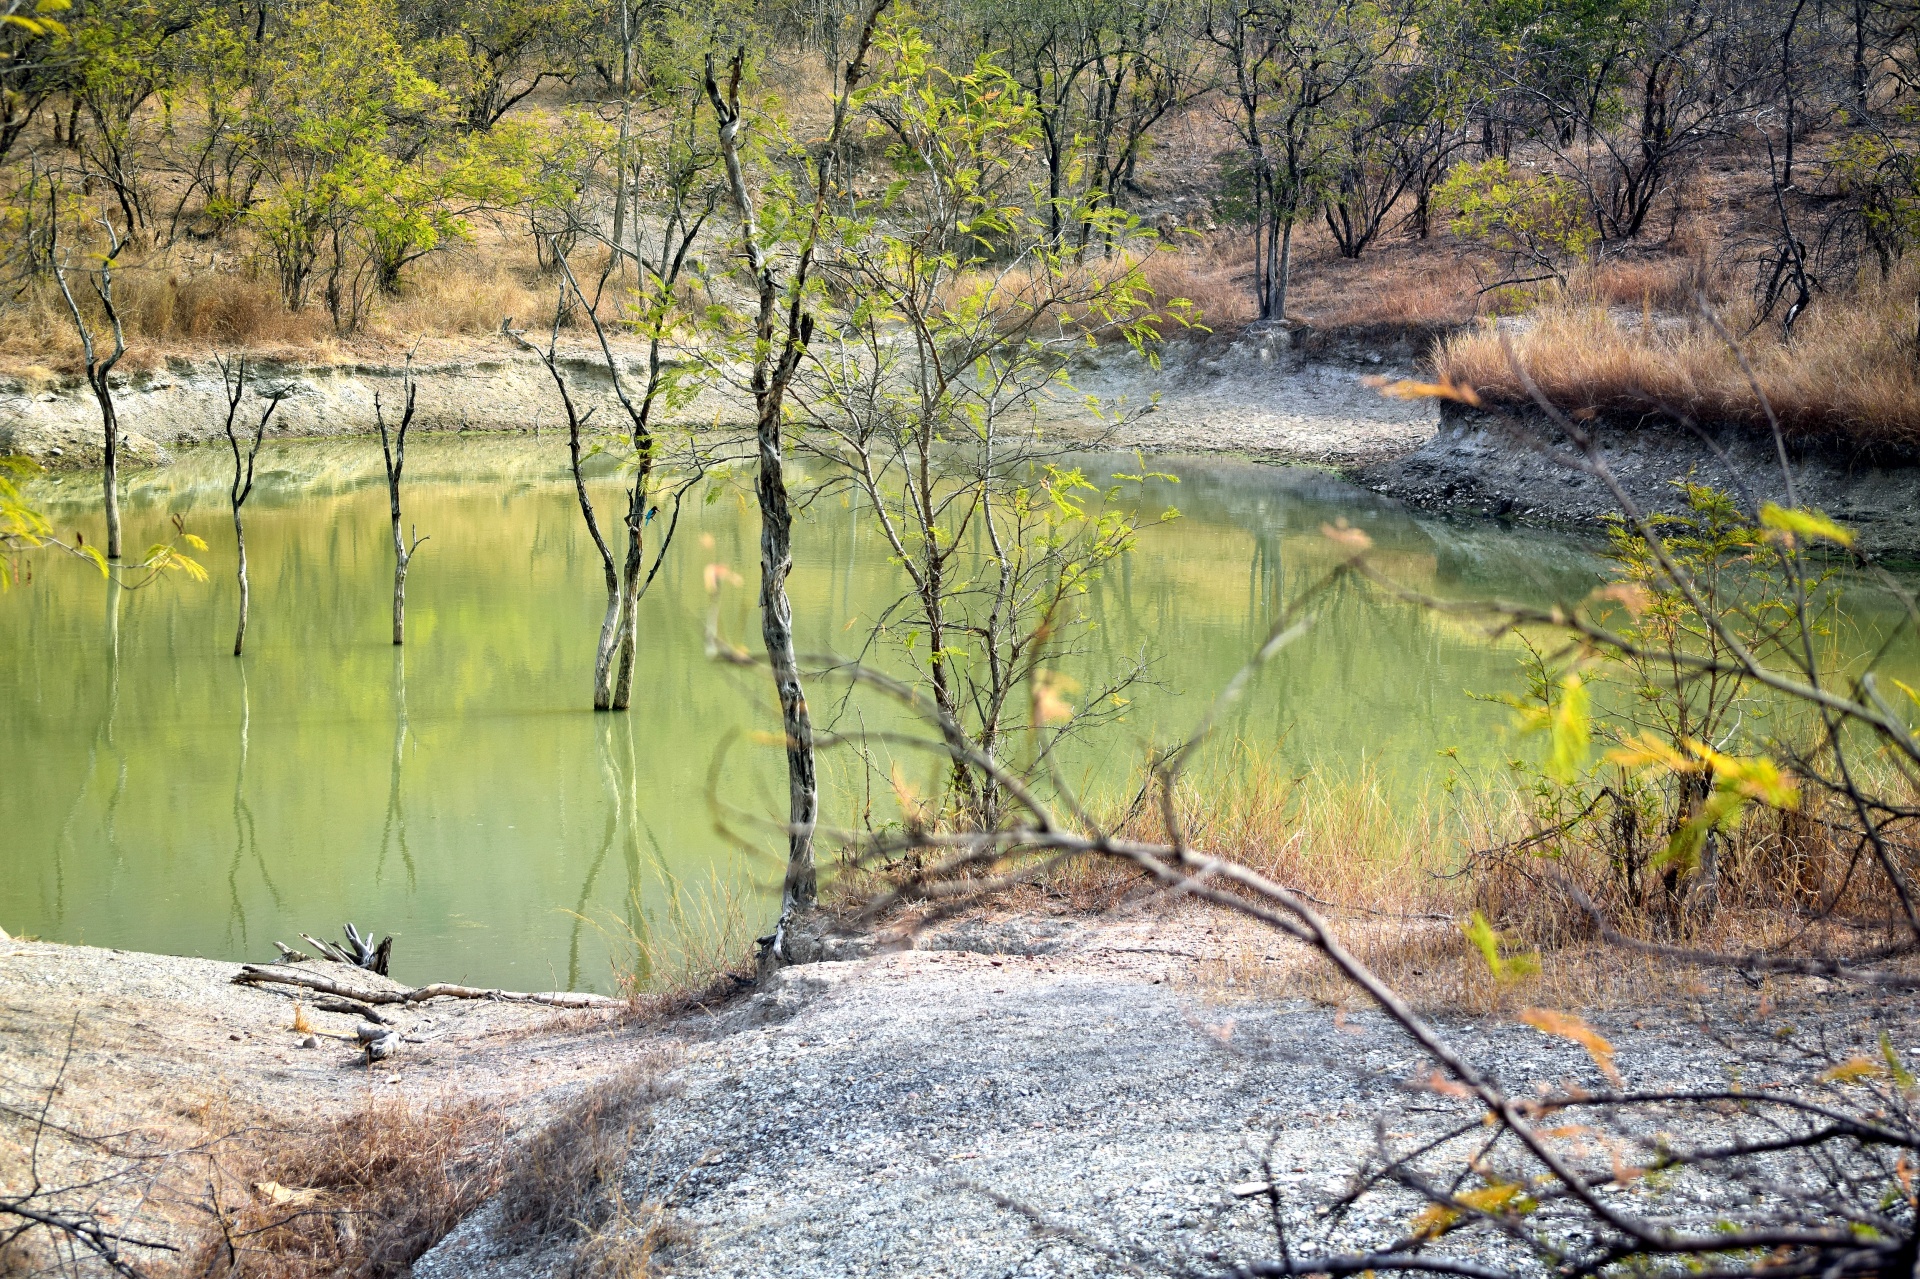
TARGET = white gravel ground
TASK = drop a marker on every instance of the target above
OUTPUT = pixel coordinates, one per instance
(1076, 1112)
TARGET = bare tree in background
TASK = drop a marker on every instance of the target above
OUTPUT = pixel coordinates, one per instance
(234, 379)
(393, 452)
(100, 371)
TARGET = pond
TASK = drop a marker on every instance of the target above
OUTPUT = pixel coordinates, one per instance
(458, 793)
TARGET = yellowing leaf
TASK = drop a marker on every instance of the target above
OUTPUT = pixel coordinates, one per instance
(1853, 1070)
(1505, 969)
(911, 806)
(1571, 733)
(1434, 1220)
(1648, 751)
(1501, 1196)
(1898, 1072)
(1632, 596)
(1437, 1219)
(1566, 1026)
(1049, 706)
(1800, 522)
(1408, 389)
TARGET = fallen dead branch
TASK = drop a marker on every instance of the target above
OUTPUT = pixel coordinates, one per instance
(283, 975)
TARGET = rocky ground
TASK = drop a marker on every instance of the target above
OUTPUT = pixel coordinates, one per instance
(129, 1075)
(1033, 1095)
(1075, 1104)
(1503, 466)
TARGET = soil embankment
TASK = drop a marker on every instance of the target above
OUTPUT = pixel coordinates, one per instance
(1257, 396)
(1491, 464)
(1254, 397)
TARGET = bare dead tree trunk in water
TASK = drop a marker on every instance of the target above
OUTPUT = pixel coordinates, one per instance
(393, 451)
(779, 342)
(99, 373)
(234, 379)
(576, 422)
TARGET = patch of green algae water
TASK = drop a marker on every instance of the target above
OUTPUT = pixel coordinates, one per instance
(459, 793)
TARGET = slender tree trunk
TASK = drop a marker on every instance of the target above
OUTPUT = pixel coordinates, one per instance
(393, 453)
(776, 630)
(240, 540)
(100, 376)
(775, 365)
(1859, 77)
(1283, 270)
(628, 639)
(110, 469)
(399, 589)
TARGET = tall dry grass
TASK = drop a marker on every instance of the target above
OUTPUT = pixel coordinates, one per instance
(567, 1182)
(169, 307)
(1851, 368)
(363, 1196)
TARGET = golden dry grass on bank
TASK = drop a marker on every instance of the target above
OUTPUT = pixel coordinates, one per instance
(173, 308)
(1397, 879)
(1851, 369)
(1396, 285)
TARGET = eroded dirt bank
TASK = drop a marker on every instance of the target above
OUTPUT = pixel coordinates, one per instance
(1481, 463)
(1029, 1095)
(1254, 397)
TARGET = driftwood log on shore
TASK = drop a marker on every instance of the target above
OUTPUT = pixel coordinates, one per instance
(286, 975)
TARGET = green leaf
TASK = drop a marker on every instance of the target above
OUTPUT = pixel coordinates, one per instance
(1810, 524)
(1505, 969)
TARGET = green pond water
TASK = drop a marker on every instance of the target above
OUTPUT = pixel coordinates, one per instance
(161, 795)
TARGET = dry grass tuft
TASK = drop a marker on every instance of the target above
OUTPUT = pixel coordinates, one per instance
(1218, 283)
(567, 1182)
(1663, 283)
(1852, 369)
(357, 1198)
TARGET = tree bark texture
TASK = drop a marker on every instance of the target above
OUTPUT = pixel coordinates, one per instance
(781, 342)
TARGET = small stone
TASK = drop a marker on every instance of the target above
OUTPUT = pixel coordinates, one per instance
(311, 1041)
(234, 1038)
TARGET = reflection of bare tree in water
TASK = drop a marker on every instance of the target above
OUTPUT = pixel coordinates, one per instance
(103, 740)
(610, 779)
(1264, 580)
(394, 833)
(246, 842)
(620, 774)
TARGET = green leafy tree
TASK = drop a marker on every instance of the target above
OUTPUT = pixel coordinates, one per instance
(336, 121)
(1535, 220)
(957, 301)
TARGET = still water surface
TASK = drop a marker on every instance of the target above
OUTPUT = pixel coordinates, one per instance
(162, 795)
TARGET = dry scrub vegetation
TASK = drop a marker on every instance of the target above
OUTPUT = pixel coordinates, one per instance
(177, 308)
(366, 1195)
(1851, 368)
(362, 1196)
